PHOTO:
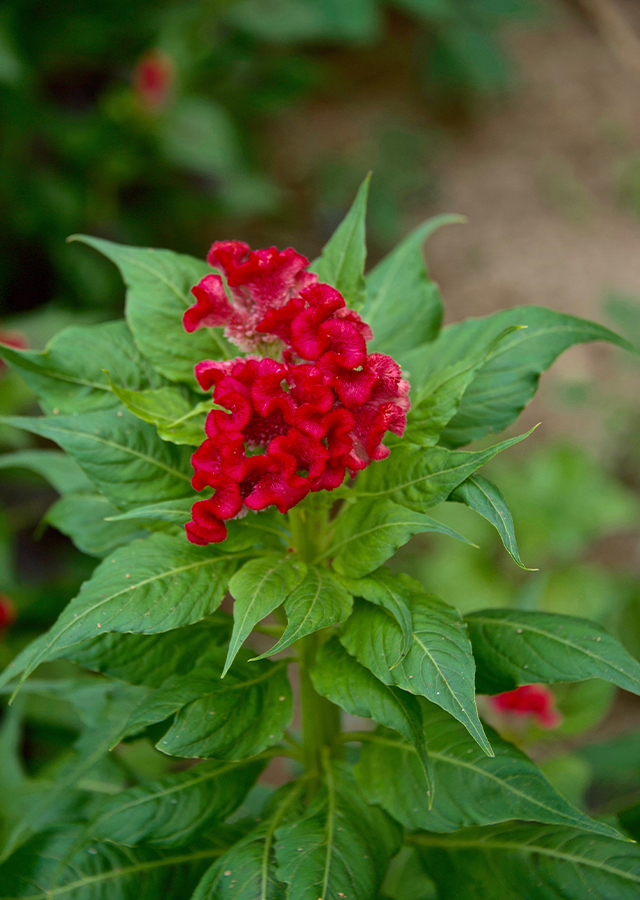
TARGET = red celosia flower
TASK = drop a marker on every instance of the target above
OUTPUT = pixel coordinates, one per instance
(12, 339)
(284, 427)
(535, 700)
(7, 612)
(153, 79)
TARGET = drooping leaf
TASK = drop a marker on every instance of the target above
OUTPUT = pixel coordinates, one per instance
(471, 788)
(504, 386)
(169, 812)
(231, 719)
(483, 496)
(82, 517)
(257, 589)
(343, 256)
(148, 586)
(530, 862)
(123, 456)
(419, 478)
(317, 602)
(43, 869)
(367, 534)
(62, 472)
(339, 846)
(439, 665)
(383, 588)
(342, 679)
(158, 292)
(68, 376)
(403, 306)
(514, 647)
(178, 416)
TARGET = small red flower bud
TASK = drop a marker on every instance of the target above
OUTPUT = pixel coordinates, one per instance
(535, 700)
(12, 339)
(153, 79)
(7, 612)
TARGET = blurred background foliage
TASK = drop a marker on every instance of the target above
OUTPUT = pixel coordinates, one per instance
(153, 124)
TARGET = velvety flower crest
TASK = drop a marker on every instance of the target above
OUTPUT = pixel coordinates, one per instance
(533, 700)
(285, 426)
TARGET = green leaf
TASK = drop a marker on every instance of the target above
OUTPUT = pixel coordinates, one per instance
(176, 415)
(43, 870)
(234, 719)
(483, 496)
(514, 647)
(58, 469)
(508, 381)
(169, 812)
(471, 788)
(438, 400)
(151, 659)
(419, 478)
(158, 285)
(343, 257)
(148, 586)
(123, 456)
(344, 681)
(382, 588)
(339, 846)
(367, 534)
(245, 872)
(439, 665)
(317, 602)
(403, 305)
(527, 862)
(82, 517)
(258, 588)
(68, 376)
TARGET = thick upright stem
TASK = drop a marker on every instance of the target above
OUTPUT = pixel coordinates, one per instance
(320, 717)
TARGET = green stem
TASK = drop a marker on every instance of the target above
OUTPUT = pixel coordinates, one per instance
(320, 717)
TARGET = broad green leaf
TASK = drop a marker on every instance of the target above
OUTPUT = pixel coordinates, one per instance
(247, 870)
(258, 588)
(234, 719)
(151, 659)
(342, 679)
(343, 256)
(317, 602)
(504, 386)
(403, 305)
(367, 534)
(105, 725)
(339, 846)
(175, 512)
(43, 870)
(419, 478)
(178, 417)
(123, 456)
(383, 588)
(483, 496)
(169, 812)
(530, 862)
(68, 376)
(436, 402)
(58, 469)
(514, 647)
(148, 586)
(158, 285)
(471, 788)
(82, 517)
(439, 665)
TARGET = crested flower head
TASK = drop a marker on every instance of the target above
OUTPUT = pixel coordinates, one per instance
(534, 700)
(297, 420)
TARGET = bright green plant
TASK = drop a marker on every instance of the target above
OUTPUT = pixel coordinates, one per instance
(419, 769)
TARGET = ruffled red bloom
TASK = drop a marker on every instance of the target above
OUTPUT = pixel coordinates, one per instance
(284, 428)
(535, 700)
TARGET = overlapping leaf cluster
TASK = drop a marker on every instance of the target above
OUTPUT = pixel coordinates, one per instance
(121, 401)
